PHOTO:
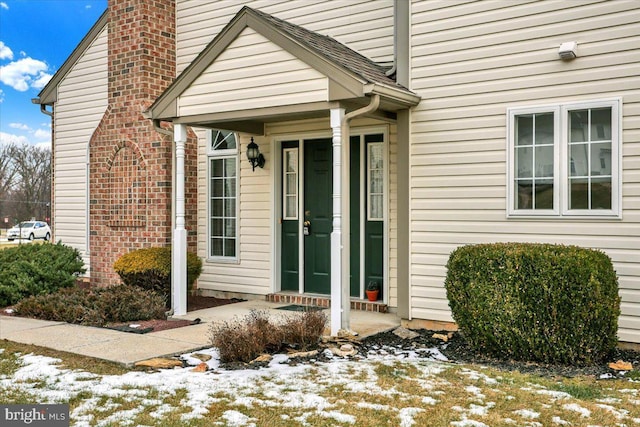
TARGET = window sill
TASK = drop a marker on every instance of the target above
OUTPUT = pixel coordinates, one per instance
(220, 260)
(567, 217)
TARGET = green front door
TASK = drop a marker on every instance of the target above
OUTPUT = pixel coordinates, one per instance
(314, 217)
(318, 184)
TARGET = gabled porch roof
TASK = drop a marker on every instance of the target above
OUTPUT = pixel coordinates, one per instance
(335, 75)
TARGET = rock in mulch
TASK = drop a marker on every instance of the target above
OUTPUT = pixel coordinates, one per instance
(302, 354)
(202, 367)
(159, 363)
(405, 333)
(345, 350)
(202, 357)
(263, 358)
(621, 365)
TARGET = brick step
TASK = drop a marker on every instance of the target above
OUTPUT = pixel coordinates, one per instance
(324, 301)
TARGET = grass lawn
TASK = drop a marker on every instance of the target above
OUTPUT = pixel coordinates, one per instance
(380, 390)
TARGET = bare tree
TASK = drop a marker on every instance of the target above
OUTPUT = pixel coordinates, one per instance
(31, 193)
(8, 174)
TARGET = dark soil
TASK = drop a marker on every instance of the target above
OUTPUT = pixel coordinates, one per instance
(458, 351)
(194, 303)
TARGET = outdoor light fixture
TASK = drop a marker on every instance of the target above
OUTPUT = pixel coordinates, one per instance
(568, 50)
(254, 155)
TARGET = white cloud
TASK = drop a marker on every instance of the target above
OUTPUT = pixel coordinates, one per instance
(3, 5)
(42, 134)
(8, 138)
(42, 80)
(88, 6)
(1, 96)
(5, 51)
(20, 126)
(24, 73)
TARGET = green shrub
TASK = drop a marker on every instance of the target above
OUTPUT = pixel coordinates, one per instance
(27, 270)
(242, 340)
(95, 306)
(150, 268)
(535, 302)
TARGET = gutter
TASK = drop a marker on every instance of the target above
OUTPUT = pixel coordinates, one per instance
(43, 107)
(402, 96)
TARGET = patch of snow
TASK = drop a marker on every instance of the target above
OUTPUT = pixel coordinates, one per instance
(406, 416)
(481, 410)
(609, 400)
(428, 400)
(553, 393)
(475, 375)
(373, 406)
(465, 422)
(584, 412)
(560, 421)
(618, 413)
(9, 310)
(338, 416)
(527, 413)
(476, 391)
(235, 418)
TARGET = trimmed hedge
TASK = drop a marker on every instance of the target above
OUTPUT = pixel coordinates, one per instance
(150, 268)
(34, 269)
(95, 306)
(535, 302)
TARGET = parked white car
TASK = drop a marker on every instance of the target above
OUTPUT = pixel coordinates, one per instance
(30, 230)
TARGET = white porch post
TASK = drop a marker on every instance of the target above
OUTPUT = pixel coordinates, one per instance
(337, 295)
(179, 246)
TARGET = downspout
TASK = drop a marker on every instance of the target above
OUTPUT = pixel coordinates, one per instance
(393, 68)
(43, 109)
(345, 207)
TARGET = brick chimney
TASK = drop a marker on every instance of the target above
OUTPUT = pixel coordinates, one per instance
(131, 163)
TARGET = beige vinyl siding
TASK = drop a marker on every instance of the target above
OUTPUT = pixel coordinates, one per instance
(470, 62)
(82, 101)
(363, 25)
(251, 273)
(253, 73)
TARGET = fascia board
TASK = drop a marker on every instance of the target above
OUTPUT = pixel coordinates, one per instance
(49, 94)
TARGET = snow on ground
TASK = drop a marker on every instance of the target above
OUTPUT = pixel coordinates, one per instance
(302, 387)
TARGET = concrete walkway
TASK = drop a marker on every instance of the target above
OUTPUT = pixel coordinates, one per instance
(128, 348)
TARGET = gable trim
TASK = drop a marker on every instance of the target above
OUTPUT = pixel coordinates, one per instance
(49, 94)
(343, 83)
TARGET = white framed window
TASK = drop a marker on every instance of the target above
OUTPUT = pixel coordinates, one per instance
(290, 187)
(564, 160)
(222, 157)
(375, 181)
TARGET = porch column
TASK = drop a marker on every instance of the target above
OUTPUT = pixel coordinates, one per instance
(179, 245)
(340, 304)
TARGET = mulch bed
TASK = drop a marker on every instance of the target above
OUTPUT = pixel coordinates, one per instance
(194, 303)
(458, 351)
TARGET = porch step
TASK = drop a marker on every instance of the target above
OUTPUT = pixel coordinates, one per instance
(323, 301)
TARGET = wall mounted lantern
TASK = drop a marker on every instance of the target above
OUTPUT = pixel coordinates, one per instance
(254, 155)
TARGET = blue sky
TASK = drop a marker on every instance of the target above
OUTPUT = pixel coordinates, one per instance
(36, 37)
